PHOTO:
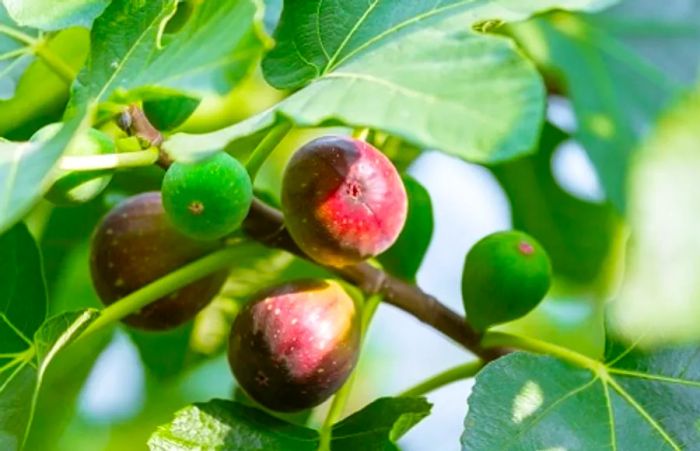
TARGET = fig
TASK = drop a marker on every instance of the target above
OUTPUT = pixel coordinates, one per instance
(77, 187)
(136, 244)
(207, 199)
(506, 275)
(343, 200)
(294, 345)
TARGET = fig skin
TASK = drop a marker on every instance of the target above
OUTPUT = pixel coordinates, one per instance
(343, 200)
(136, 244)
(77, 187)
(207, 199)
(505, 276)
(295, 345)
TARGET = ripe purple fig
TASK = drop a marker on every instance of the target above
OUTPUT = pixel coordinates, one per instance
(136, 244)
(293, 346)
(343, 200)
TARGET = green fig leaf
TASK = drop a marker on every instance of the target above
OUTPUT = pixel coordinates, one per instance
(221, 424)
(367, 64)
(636, 400)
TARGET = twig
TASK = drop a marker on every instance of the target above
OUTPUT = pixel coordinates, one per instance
(265, 224)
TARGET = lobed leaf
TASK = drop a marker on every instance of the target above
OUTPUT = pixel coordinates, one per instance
(41, 95)
(316, 37)
(215, 48)
(25, 170)
(618, 71)
(22, 376)
(15, 55)
(665, 35)
(51, 15)
(28, 342)
(123, 41)
(637, 400)
(227, 425)
(23, 302)
(412, 70)
(380, 424)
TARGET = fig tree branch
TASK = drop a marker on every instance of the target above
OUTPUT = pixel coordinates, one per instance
(266, 225)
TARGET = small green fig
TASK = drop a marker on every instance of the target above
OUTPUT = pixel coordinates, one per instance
(77, 187)
(207, 199)
(293, 346)
(343, 200)
(506, 274)
(136, 244)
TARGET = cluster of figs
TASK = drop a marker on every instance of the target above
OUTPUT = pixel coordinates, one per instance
(292, 346)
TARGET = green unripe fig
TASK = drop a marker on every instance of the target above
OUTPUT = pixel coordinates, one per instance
(77, 187)
(295, 345)
(506, 274)
(136, 244)
(207, 199)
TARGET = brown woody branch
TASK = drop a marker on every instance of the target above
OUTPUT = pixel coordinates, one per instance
(266, 225)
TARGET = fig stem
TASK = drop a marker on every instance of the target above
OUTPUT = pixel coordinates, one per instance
(109, 161)
(454, 374)
(505, 340)
(177, 279)
(266, 147)
(340, 399)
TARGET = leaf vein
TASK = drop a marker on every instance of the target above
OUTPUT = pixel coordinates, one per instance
(353, 30)
(318, 30)
(654, 377)
(543, 414)
(156, 20)
(14, 328)
(476, 114)
(401, 25)
(611, 416)
(644, 414)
